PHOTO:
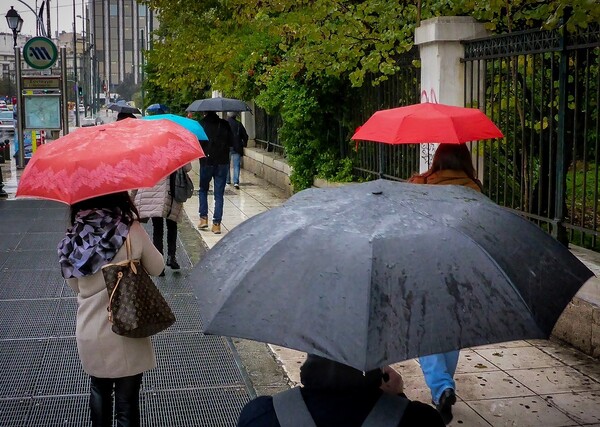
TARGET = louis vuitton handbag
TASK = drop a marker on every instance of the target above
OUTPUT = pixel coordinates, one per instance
(136, 308)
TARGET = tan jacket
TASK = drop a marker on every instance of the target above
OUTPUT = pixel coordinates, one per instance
(103, 353)
(156, 202)
(445, 177)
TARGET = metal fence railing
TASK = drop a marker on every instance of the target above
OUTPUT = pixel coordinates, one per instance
(542, 88)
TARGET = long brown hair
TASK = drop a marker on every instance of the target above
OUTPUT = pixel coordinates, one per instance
(116, 202)
(453, 157)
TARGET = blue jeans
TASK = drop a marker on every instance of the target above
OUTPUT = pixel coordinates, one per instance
(219, 174)
(234, 157)
(438, 370)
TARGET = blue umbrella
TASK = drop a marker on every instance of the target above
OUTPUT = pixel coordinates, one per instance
(190, 124)
(157, 108)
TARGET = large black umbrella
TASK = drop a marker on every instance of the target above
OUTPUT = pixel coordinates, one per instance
(375, 273)
(123, 107)
(218, 104)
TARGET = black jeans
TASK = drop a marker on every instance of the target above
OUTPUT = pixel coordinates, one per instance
(127, 401)
(158, 233)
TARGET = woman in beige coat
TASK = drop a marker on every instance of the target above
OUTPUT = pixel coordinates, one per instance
(157, 203)
(96, 238)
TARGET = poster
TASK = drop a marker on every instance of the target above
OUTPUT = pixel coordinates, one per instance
(42, 112)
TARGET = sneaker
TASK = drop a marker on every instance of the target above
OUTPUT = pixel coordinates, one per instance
(172, 262)
(444, 406)
(237, 186)
(203, 224)
(216, 228)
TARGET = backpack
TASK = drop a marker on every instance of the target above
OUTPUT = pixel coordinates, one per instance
(181, 186)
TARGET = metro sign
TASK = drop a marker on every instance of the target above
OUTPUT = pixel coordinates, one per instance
(40, 53)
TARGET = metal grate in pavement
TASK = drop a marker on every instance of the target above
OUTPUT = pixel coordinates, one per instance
(11, 222)
(13, 413)
(186, 408)
(60, 372)
(10, 241)
(63, 411)
(48, 225)
(23, 284)
(174, 282)
(60, 213)
(189, 360)
(3, 257)
(64, 323)
(41, 242)
(30, 204)
(27, 319)
(186, 312)
(32, 260)
(19, 366)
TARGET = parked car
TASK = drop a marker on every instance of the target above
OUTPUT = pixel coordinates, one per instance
(7, 122)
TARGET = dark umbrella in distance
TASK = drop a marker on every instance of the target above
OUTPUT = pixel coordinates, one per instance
(122, 107)
(218, 105)
(375, 273)
(157, 109)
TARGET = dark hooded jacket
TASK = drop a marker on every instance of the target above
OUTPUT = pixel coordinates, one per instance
(220, 139)
(337, 395)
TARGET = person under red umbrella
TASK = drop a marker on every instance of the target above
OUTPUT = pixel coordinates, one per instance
(97, 234)
(451, 165)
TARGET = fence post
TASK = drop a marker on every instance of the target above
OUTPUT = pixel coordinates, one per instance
(439, 41)
(558, 230)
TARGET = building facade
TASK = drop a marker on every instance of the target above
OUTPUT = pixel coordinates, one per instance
(119, 31)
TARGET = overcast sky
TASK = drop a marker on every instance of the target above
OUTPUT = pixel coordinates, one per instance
(61, 10)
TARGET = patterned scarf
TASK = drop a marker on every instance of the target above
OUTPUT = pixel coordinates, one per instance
(92, 242)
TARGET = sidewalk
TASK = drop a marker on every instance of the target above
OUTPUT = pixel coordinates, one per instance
(521, 383)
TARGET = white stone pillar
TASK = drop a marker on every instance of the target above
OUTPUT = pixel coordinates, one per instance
(248, 120)
(442, 72)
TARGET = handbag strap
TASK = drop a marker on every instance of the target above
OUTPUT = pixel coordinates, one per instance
(387, 412)
(290, 409)
(133, 268)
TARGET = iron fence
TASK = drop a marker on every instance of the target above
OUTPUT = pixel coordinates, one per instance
(542, 88)
(267, 131)
(375, 160)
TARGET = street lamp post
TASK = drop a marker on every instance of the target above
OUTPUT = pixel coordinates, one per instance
(15, 23)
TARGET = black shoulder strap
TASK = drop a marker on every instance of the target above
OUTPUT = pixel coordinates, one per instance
(387, 412)
(290, 409)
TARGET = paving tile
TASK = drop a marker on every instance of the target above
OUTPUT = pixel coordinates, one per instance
(529, 411)
(554, 380)
(592, 370)
(489, 385)
(464, 415)
(581, 406)
(408, 368)
(519, 357)
(470, 361)
(508, 344)
(565, 354)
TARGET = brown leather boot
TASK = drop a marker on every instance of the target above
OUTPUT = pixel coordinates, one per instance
(216, 228)
(203, 224)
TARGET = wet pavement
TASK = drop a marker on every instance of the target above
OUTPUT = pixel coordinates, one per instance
(521, 383)
(205, 380)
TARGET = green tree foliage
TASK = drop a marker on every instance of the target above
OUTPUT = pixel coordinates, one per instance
(300, 58)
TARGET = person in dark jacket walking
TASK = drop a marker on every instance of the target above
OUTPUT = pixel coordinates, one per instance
(240, 140)
(338, 395)
(214, 166)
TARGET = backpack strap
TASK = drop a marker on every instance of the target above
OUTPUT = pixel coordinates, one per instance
(290, 409)
(387, 412)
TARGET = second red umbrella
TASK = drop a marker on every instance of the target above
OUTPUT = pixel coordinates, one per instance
(106, 159)
(427, 123)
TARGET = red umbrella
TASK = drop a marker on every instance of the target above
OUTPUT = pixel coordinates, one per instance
(427, 123)
(98, 160)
